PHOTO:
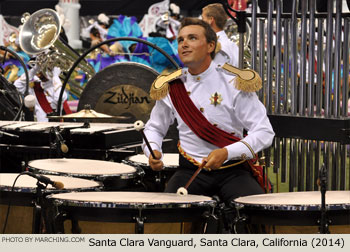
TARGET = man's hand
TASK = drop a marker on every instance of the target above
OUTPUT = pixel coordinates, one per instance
(56, 71)
(215, 159)
(156, 164)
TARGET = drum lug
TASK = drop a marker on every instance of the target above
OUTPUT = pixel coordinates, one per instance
(58, 220)
(324, 227)
(140, 173)
(238, 218)
(139, 227)
(140, 222)
(210, 223)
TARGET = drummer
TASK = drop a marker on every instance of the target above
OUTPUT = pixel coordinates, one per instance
(43, 92)
(211, 114)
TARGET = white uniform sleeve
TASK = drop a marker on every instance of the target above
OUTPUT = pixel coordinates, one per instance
(252, 114)
(157, 126)
(20, 84)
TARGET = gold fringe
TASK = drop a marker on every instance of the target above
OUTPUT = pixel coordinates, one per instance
(246, 80)
(160, 86)
(218, 47)
(159, 93)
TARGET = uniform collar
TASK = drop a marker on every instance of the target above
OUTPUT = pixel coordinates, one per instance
(201, 76)
(221, 34)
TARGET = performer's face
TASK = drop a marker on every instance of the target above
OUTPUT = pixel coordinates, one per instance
(193, 48)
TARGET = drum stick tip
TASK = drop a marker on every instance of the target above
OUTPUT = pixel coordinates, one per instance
(182, 191)
(138, 125)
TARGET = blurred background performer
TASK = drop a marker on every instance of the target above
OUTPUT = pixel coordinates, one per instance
(216, 17)
(45, 90)
(211, 126)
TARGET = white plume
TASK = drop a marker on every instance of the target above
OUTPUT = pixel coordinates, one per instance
(174, 8)
(103, 18)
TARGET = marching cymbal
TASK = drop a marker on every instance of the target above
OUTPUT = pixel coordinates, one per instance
(87, 114)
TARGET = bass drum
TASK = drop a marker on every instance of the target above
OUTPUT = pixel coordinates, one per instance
(121, 89)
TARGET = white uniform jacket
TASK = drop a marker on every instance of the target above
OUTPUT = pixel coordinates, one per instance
(52, 89)
(234, 111)
(229, 52)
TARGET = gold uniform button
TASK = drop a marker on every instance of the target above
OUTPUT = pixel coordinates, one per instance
(188, 92)
(198, 78)
(244, 156)
(215, 124)
(201, 110)
(232, 133)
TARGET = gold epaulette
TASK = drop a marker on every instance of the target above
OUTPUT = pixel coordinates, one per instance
(218, 47)
(160, 86)
(246, 80)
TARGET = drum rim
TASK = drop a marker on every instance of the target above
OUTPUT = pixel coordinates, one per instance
(295, 207)
(142, 165)
(128, 205)
(71, 159)
(290, 207)
(29, 189)
(96, 177)
(32, 190)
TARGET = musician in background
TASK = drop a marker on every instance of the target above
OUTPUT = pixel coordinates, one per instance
(216, 17)
(96, 39)
(43, 92)
(212, 112)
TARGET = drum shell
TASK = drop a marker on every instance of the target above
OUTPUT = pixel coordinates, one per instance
(23, 199)
(157, 217)
(155, 181)
(295, 217)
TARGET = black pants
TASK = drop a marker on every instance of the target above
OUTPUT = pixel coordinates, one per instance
(228, 183)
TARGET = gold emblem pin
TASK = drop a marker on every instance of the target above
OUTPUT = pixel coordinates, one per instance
(215, 99)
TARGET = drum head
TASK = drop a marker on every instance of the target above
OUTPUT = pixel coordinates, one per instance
(170, 160)
(27, 184)
(132, 200)
(82, 168)
(295, 208)
(121, 89)
(296, 200)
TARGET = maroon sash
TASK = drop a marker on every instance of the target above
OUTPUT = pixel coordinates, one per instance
(44, 103)
(195, 120)
(40, 95)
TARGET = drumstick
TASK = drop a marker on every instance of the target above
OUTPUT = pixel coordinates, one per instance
(195, 174)
(138, 125)
(183, 190)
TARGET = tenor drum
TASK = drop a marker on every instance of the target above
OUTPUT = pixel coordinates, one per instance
(155, 181)
(138, 209)
(296, 212)
(23, 196)
(114, 176)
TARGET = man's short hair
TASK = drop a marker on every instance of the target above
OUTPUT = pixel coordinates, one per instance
(217, 12)
(209, 33)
